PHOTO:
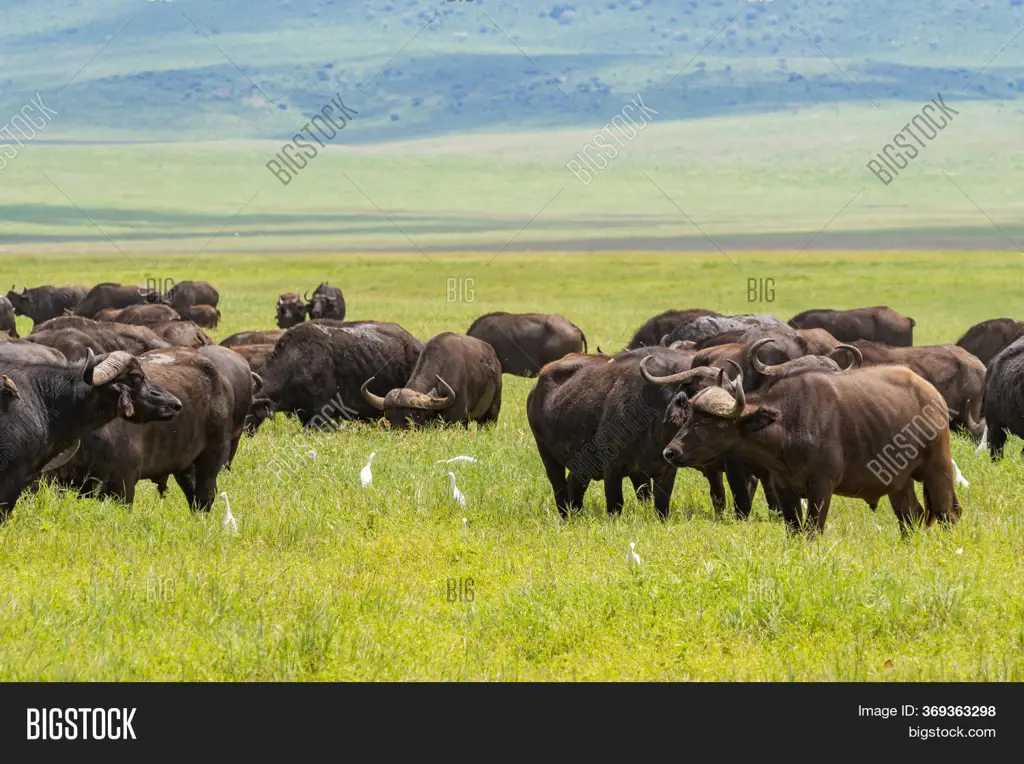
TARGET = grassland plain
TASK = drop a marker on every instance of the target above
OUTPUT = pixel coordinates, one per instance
(326, 581)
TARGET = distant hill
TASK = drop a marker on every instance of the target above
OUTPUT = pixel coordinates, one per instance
(192, 69)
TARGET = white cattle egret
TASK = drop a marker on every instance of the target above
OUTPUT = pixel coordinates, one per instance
(984, 441)
(229, 519)
(456, 493)
(803, 503)
(960, 550)
(456, 459)
(311, 453)
(365, 476)
(465, 525)
(959, 476)
(632, 558)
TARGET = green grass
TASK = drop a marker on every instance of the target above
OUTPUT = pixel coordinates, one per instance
(328, 581)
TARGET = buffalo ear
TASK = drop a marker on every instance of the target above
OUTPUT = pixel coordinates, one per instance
(675, 414)
(758, 419)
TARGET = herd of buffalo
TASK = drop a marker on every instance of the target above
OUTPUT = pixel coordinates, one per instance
(118, 383)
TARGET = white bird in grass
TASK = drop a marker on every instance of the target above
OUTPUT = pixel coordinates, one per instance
(465, 525)
(457, 459)
(456, 493)
(632, 558)
(984, 441)
(960, 480)
(229, 519)
(311, 453)
(365, 476)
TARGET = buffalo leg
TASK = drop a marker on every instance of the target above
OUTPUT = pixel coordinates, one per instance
(996, 439)
(716, 488)
(576, 490)
(556, 476)
(205, 471)
(642, 486)
(663, 493)
(907, 508)
(819, 498)
(790, 504)
(613, 492)
(739, 483)
(940, 499)
(120, 488)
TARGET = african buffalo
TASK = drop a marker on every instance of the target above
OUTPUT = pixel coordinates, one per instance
(472, 395)
(824, 434)
(316, 370)
(291, 310)
(253, 338)
(45, 302)
(878, 324)
(17, 351)
(986, 339)
(110, 295)
(244, 385)
(139, 315)
(185, 294)
(8, 322)
(100, 338)
(327, 302)
(524, 342)
(202, 315)
(704, 327)
(596, 417)
(183, 333)
(47, 407)
(194, 447)
(656, 327)
(1004, 402)
(957, 374)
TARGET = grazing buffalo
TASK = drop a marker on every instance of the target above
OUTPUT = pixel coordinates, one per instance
(704, 327)
(244, 386)
(1004, 403)
(255, 355)
(958, 376)
(986, 339)
(108, 295)
(185, 294)
(183, 333)
(473, 395)
(878, 324)
(825, 434)
(194, 447)
(99, 338)
(817, 341)
(47, 407)
(316, 370)
(524, 342)
(327, 302)
(63, 322)
(596, 417)
(650, 334)
(253, 338)
(45, 302)
(291, 310)
(206, 316)
(8, 321)
(139, 315)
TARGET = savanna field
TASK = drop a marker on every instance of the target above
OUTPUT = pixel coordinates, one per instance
(328, 581)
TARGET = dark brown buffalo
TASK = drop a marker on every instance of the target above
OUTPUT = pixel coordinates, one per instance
(316, 370)
(291, 310)
(23, 350)
(957, 374)
(194, 447)
(657, 327)
(183, 333)
(1004, 401)
(64, 322)
(45, 302)
(47, 407)
(825, 434)
(255, 355)
(703, 328)
(524, 342)
(139, 315)
(244, 385)
(327, 302)
(986, 339)
(206, 316)
(185, 294)
(878, 324)
(99, 338)
(109, 295)
(253, 338)
(473, 393)
(597, 419)
(8, 321)
(817, 341)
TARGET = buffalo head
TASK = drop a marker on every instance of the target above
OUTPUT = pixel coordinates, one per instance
(119, 377)
(291, 310)
(404, 407)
